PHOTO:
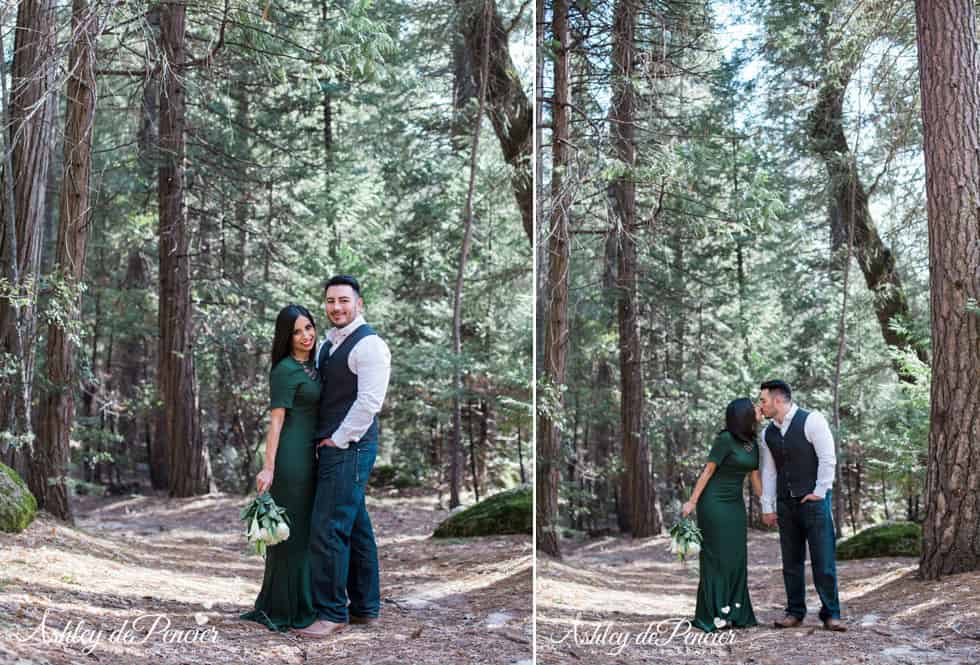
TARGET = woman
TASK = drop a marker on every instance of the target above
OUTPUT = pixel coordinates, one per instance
(286, 600)
(723, 594)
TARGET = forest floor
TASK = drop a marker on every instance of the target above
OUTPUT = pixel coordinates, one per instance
(608, 591)
(186, 562)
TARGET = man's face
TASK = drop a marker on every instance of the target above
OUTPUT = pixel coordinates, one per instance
(342, 305)
(769, 402)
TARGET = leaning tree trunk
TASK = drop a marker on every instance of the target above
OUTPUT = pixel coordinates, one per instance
(638, 490)
(27, 157)
(555, 348)
(189, 471)
(49, 470)
(507, 106)
(850, 215)
(949, 71)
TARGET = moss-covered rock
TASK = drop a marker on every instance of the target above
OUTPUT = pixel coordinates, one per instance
(503, 513)
(888, 539)
(17, 505)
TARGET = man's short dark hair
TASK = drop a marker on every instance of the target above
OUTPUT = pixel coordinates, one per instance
(343, 280)
(778, 386)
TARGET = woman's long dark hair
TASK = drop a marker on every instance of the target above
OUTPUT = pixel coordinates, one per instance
(282, 341)
(740, 419)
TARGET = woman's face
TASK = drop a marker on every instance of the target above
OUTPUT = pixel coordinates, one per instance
(304, 336)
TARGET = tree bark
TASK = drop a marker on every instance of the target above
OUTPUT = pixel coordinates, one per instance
(49, 471)
(552, 375)
(638, 492)
(948, 72)
(30, 118)
(189, 467)
(507, 105)
(850, 214)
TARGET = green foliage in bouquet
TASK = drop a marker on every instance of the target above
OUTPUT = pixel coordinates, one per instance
(265, 522)
(685, 539)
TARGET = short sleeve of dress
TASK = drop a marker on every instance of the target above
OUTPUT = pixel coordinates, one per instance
(283, 384)
(720, 449)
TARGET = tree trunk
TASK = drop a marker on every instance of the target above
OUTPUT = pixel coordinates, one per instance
(49, 471)
(555, 347)
(456, 451)
(506, 104)
(27, 158)
(949, 71)
(638, 491)
(189, 464)
(850, 214)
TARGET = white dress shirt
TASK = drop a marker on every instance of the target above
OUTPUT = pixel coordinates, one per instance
(370, 360)
(817, 432)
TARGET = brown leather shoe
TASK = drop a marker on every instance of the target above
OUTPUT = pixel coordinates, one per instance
(354, 619)
(834, 625)
(320, 629)
(788, 621)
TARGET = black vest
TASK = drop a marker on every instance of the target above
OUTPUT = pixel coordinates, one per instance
(795, 458)
(338, 390)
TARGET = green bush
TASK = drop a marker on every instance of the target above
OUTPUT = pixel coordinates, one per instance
(17, 505)
(503, 513)
(888, 539)
(389, 475)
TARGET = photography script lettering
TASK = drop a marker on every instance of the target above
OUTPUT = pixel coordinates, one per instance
(140, 630)
(665, 633)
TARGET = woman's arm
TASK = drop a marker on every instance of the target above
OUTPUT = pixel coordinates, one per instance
(756, 478)
(709, 470)
(263, 481)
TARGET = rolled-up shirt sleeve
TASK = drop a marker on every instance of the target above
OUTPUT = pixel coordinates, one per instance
(818, 433)
(767, 467)
(370, 360)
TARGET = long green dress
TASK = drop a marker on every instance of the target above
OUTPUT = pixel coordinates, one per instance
(723, 593)
(286, 599)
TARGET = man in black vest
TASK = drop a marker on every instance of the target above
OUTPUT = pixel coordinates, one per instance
(354, 365)
(797, 461)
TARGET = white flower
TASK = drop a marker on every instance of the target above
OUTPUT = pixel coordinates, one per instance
(282, 531)
(253, 530)
(726, 609)
(720, 623)
(693, 549)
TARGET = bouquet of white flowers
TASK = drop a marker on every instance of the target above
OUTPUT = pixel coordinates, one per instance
(265, 522)
(685, 539)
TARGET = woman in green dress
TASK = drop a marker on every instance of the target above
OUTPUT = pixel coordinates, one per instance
(286, 599)
(723, 593)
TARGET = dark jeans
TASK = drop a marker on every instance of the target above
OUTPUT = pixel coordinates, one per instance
(343, 554)
(801, 524)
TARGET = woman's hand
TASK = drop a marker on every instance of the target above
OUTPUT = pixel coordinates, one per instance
(687, 509)
(758, 413)
(263, 481)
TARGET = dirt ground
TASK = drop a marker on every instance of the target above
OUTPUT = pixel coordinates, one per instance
(164, 580)
(605, 593)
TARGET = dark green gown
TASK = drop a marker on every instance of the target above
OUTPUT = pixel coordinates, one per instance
(724, 555)
(286, 599)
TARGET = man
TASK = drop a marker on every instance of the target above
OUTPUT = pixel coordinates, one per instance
(797, 460)
(354, 366)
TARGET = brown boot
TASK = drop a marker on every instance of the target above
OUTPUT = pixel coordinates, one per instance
(320, 629)
(354, 619)
(834, 624)
(788, 621)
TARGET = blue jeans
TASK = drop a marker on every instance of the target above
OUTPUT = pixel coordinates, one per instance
(802, 524)
(343, 554)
